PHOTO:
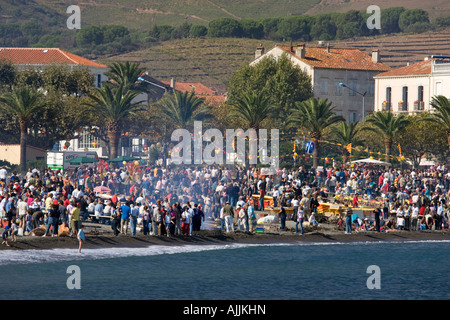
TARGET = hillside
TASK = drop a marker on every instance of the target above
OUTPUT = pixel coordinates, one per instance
(213, 61)
(142, 14)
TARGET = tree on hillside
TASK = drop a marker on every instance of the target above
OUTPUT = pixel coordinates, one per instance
(414, 20)
(314, 116)
(225, 27)
(296, 28)
(389, 19)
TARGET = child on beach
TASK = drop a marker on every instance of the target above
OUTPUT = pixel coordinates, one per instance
(81, 238)
(5, 236)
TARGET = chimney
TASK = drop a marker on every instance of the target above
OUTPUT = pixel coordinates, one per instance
(328, 47)
(259, 52)
(172, 83)
(375, 56)
(300, 51)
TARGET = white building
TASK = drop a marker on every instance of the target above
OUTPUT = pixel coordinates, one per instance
(40, 58)
(329, 67)
(410, 89)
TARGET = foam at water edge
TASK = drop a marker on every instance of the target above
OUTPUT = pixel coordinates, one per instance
(8, 257)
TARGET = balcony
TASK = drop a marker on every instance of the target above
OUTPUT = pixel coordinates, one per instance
(419, 105)
(386, 106)
(403, 106)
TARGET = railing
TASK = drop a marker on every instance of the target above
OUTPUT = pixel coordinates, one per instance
(419, 105)
(386, 106)
(403, 106)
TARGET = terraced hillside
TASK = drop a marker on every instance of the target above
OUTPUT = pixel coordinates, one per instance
(397, 50)
(213, 61)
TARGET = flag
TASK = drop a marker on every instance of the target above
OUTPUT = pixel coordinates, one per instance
(349, 148)
(294, 147)
(399, 149)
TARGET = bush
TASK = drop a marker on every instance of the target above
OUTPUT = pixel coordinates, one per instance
(411, 17)
(198, 31)
(225, 27)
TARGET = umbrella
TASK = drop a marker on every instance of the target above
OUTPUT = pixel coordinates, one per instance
(102, 189)
(123, 158)
(81, 160)
(371, 161)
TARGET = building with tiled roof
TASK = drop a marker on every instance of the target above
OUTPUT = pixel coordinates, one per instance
(344, 76)
(199, 88)
(25, 58)
(409, 89)
(159, 87)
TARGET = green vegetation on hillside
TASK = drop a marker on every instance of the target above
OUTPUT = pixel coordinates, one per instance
(26, 23)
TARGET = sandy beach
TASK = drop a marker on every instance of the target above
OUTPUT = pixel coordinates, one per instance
(324, 233)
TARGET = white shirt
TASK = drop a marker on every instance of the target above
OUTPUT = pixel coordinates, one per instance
(23, 207)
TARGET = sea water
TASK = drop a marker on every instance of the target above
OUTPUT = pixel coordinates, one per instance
(294, 271)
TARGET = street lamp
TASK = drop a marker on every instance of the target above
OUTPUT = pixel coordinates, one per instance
(152, 83)
(362, 94)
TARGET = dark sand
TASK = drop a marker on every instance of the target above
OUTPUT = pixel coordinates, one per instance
(272, 234)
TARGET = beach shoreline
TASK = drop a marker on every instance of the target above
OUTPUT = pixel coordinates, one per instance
(106, 239)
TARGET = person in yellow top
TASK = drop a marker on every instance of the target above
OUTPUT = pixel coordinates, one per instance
(75, 220)
(49, 202)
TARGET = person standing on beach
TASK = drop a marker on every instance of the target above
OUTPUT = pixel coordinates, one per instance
(348, 219)
(75, 219)
(81, 238)
(124, 219)
(134, 214)
(300, 218)
(378, 214)
(228, 214)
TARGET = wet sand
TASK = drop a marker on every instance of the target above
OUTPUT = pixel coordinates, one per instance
(272, 234)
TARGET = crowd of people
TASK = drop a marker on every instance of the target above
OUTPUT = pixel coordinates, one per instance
(175, 200)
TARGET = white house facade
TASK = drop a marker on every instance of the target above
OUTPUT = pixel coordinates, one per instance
(410, 89)
(344, 76)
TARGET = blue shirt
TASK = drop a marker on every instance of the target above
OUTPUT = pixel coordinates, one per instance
(125, 212)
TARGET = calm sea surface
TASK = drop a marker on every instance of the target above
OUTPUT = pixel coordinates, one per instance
(407, 270)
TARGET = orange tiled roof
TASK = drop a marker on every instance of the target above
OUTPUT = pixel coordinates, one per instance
(419, 68)
(337, 58)
(45, 56)
(199, 88)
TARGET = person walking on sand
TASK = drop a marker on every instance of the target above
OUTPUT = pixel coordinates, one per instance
(5, 236)
(81, 238)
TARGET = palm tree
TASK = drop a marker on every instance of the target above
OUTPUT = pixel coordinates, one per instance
(22, 103)
(253, 108)
(113, 105)
(183, 108)
(314, 115)
(388, 126)
(125, 73)
(346, 134)
(442, 114)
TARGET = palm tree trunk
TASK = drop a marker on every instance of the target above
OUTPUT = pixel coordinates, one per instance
(114, 136)
(448, 139)
(388, 147)
(315, 137)
(23, 145)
